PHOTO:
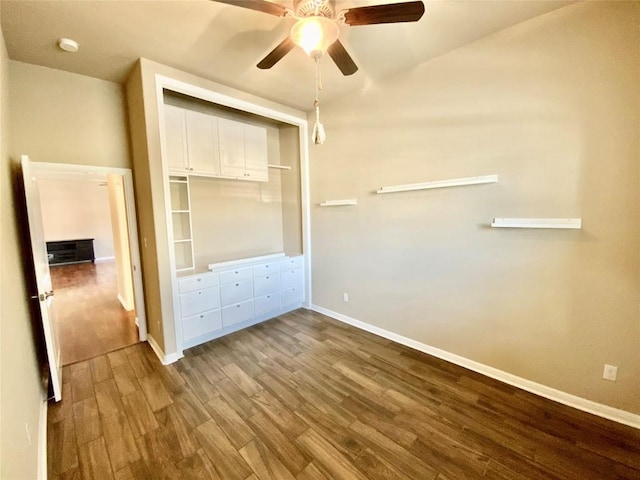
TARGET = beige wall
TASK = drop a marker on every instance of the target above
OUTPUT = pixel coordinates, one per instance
(74, 209)
(233, 219)
(20, 390)
(551, 105)
(62, 117)
(291, 190)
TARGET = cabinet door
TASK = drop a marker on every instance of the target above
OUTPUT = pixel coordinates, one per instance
(231, 142)
(202, 143)
(175, 137)
(255, 153)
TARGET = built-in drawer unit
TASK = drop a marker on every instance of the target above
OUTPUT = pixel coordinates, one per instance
(236, 292)
(197, 282)
(268, 268)
(199, 301)
(266, 284)
(201, 324)
(291, 296)
(237, 313)
(290, 263)
(235, 275)
(291, 278)
(266, 303)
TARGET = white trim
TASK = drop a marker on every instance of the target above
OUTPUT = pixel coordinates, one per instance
(573, 223)
(246, 261)
(42, 441)
(104, 259)
(126, 306)
(164, 359)
(455, 182)
(339, 203)
(589, 406)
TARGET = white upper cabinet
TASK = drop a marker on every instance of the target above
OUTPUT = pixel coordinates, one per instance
(231, 139)
(175, 138)
(202, 143)
(255, 153)
(243, 150)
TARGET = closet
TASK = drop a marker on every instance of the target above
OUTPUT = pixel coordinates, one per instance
(222, 192)
(236, 263)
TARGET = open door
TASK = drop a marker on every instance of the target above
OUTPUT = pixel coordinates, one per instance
(44, 293)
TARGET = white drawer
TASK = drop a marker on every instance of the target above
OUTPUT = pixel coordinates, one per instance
(236, 292)
(229, 276)
(199, 301)
(291, 263)
(266, 269)
(197, 282)
(266, 303)
(291, 296)
(267, 284)
(291, 279)
(239, 312)
(201, 324)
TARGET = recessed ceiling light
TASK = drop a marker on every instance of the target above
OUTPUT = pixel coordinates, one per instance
(68, 45)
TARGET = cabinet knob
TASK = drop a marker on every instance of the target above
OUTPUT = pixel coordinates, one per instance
(237, 284)
(199, 279)
(235, 273)
(238, 306)
(201, 316)
(267, 278)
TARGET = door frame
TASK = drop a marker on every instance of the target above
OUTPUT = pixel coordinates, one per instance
(40, 169)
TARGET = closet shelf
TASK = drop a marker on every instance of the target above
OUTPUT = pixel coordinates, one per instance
(339, 203)
(183, 240)
(180, 211)
(279, 167)
(570, 223)
(455, 182)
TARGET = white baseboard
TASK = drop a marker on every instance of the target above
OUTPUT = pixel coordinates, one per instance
(599, 409)
(128, 307)
(164, 359)
(42, 441)
(105, 259)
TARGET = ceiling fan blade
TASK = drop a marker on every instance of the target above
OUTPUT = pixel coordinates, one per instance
(342, 58)
(259, 5)
(275, 55)
(390, 13)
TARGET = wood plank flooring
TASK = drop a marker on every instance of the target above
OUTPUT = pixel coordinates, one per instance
(90, 319)
(303, 397)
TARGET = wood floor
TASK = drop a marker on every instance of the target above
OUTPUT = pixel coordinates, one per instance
(304, 397)
(90, 319)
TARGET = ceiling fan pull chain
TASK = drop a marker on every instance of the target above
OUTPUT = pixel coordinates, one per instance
(318, 135)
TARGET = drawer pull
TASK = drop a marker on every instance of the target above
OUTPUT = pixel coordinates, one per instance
(267, 278)
(201, 316)
(235, 273)
(199, 293)
(237, 284)
(199, 279)
(237, 306)
(268, 296)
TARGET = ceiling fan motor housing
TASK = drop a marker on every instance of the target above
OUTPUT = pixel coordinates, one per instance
(308, 8)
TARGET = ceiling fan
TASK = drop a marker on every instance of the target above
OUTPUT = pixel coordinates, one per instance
(317, 28)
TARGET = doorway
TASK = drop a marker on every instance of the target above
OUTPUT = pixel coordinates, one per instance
(90, 228)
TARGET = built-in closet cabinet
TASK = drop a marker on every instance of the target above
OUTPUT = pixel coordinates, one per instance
(192, 142)
(243, 150)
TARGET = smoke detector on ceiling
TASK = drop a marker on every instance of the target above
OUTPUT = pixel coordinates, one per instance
(68, 45)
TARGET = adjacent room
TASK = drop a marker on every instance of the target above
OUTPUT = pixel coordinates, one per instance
(320, 239)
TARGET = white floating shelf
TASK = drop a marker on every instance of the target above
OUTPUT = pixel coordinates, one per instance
(455, 182)
(182, 240)
(572, 223)
(280, 167)
(339, 203)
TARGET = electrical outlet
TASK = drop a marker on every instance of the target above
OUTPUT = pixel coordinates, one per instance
(610, 372)
(345, 297)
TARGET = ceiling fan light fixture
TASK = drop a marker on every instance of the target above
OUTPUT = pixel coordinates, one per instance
(315, 34)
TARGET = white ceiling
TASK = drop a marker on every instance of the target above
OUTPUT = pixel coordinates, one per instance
(223, 43)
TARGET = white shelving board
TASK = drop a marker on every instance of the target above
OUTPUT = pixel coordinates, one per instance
(339, 203)
(566, 223)
(279, 167)
(455, 182)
